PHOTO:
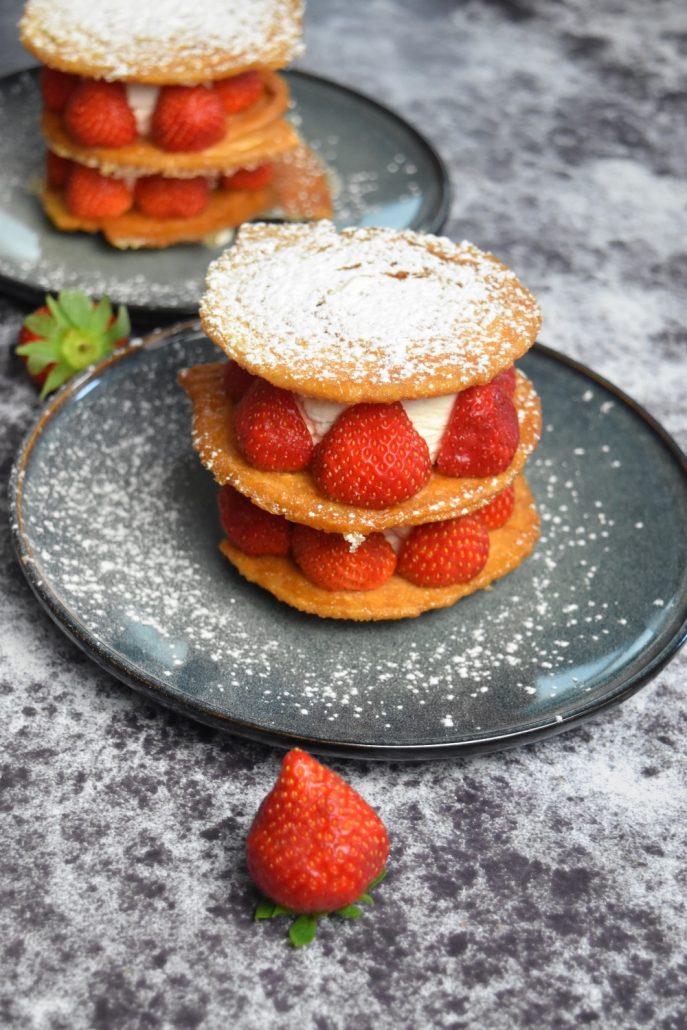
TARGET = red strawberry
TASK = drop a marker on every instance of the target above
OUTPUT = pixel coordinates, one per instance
(98, 115)
(497, 512)
(57, 170)
(315, 845)
(482, 433)
(92, 195)
(371, 457)
(239, 92)
(56, 88)
(270, 431)
(249, 178)
(440, 554)
(506, 381)
(254, 530)
(67, 334)
(161, 197)
(187, 118)
(236, 380)
(328, 561)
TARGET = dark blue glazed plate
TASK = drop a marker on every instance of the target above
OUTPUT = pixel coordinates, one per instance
(383, 172)
(115, 528)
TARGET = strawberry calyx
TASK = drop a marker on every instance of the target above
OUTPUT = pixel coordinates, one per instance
(304, 927)
(73, 333)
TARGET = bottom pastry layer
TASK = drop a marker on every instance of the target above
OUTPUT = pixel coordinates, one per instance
(397, 598)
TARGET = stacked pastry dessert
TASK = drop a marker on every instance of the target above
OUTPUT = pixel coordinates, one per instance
(165, 122)
(369, 430)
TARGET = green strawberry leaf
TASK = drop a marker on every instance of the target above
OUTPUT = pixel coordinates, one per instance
(41, 324)
(366, 899)
(264, 910)
(100, 316)
(43, 350)
(58, 375)
(77, 308)
(120, 328)
(302, 931)
(377, 880)
(56, 312)
(349, 912)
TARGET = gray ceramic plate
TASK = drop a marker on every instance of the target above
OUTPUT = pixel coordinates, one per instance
(115, 527)
(383, 173)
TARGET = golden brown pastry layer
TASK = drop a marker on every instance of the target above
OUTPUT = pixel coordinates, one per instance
(295, 494)
(397, 598)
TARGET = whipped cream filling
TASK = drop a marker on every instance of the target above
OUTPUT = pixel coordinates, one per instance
(429, 415)
(142, 100)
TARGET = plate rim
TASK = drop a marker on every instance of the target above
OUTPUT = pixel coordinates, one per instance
(147, 314)
(195, 708)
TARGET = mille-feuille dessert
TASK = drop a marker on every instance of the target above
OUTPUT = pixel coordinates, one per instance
(165, 122)
(369, 430)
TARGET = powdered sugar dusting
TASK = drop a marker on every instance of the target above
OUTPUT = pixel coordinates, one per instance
(120, 517)
(134, 39)
(372, 306)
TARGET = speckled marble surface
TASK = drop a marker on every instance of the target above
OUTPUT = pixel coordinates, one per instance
(541, 887)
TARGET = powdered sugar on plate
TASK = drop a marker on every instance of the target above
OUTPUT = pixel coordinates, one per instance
(119, 527)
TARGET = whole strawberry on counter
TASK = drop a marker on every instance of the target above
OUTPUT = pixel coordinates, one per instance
(66, 335)
(315, 847)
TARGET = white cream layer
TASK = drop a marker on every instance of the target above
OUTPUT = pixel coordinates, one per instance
(142, 100)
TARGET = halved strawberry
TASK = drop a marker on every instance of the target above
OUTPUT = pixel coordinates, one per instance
(97, 114)
(56, 88)
(67, 334)
(440, 554)
(270, 431)
(236, 380)
(482, 434)
(239, 92)
(497, 512)
(160, 196)
(506, 381)
(57, 170)
(254, 530)
(371, 457)
(92, 195)
(249, 178)
(187, 118)
(315, 846)
(328, 561)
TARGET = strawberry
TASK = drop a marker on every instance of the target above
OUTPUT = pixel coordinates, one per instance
(57, 170)
(92, 195)
(270, 431)
(440, 554)
(371, 457)
(98, 115)
(315, 846)
(239, 92)
(252, 529)
(236, 380)
(497, 512)
(249, 178)
(187, 118)
(506, 381)
(161, 197)
(67, 334)
(482, 433)
(56, 88)
(328, 561)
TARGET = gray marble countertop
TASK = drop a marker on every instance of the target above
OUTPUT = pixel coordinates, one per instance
(543, 887)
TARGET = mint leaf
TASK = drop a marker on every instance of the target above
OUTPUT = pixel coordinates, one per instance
(302, 931)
